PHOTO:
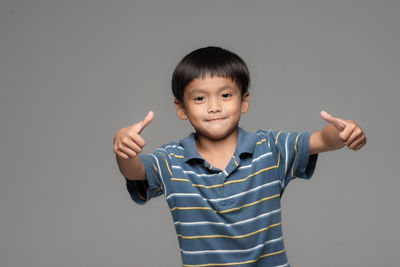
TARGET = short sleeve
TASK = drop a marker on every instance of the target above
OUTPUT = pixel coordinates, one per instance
(157, 170)
(292, 154)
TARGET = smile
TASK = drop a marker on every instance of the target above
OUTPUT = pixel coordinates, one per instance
(215, 119)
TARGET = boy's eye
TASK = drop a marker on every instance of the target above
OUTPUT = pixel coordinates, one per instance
(226, 95)
(199, 98)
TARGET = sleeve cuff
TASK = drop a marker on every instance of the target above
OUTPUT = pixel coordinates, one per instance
(307, 162)
(143, 191)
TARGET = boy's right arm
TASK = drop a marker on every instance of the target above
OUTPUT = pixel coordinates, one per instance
(127, 145)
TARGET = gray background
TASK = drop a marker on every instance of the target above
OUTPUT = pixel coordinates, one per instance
(73, 72)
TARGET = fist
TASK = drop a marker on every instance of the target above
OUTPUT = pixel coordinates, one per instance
(349, 131)
(127, 141)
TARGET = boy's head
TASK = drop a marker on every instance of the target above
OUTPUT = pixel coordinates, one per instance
(210, 86)
(212, 61)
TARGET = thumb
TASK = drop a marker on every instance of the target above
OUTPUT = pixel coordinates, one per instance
(337, 122)
(146, 121)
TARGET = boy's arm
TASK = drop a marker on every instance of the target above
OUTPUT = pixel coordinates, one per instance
(337, 134)
(127, 145)
(132, 168)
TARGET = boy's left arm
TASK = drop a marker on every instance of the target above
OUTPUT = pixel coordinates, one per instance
(337, 134)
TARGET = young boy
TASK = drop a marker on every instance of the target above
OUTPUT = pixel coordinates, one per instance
(223, 184)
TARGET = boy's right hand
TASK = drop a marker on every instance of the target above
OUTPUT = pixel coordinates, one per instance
(127, 141)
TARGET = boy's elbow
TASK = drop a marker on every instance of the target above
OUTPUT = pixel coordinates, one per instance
(135, 177)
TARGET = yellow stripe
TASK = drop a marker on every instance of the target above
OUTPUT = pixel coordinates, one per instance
(279, 160)
(295, 156)
(196, 185)
(234, 160)
(277, 137)
(166, 163)
(252, 175)
(180, 180)
(177, 156)
(191, 208)
(230, 210)
(250, 204)
(237, 263)
(260, 142)
(228, 236)
(209, 186)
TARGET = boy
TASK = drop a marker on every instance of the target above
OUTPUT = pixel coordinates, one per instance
(223, 184)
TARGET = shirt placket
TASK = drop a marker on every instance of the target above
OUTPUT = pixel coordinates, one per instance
(226, 189)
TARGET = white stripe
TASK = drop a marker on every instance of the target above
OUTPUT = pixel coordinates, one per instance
(262, 132)
(284, 265)
(248, 191)
(229, 224)
(159, 171)
(286, 160)
(254, 160)
(174, 146)
(262, 156)
(286, 153)
(233, 250)
(185, 195)
(192, 172)
(225, 198)
(245, 167)
(269, 141)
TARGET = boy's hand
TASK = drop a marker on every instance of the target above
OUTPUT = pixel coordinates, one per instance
(350, 133)
(127, 141)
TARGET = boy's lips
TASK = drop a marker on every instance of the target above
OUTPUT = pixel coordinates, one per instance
(215, 119)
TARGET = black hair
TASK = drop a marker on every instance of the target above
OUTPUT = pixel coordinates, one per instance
(211, 60)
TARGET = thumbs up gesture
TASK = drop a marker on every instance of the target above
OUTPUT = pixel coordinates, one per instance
(349, 132)
(127, 141)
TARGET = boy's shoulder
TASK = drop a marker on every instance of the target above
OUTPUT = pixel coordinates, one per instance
(180, 145)
(172, 148)
(262, 134)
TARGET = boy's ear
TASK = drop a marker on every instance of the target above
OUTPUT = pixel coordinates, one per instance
(245, 102)
(180, 110)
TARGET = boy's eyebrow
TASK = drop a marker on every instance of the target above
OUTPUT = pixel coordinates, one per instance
(199, 90)
(225, 87)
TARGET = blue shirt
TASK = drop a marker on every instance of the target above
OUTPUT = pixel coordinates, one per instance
(228, 217)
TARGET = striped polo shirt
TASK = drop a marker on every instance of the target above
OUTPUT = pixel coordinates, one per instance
(228, 217)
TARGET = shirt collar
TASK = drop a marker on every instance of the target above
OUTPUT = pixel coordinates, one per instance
(246, 142)
(189, 144)
(245, 145)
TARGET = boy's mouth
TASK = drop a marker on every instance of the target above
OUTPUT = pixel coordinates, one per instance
(215, 119)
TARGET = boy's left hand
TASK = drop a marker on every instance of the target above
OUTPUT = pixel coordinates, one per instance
(350, 132)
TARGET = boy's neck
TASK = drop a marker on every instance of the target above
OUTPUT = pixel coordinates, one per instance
(217, 152)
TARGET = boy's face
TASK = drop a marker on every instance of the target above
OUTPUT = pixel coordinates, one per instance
(213, 106)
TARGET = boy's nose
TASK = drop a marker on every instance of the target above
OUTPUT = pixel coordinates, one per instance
(214, 106)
